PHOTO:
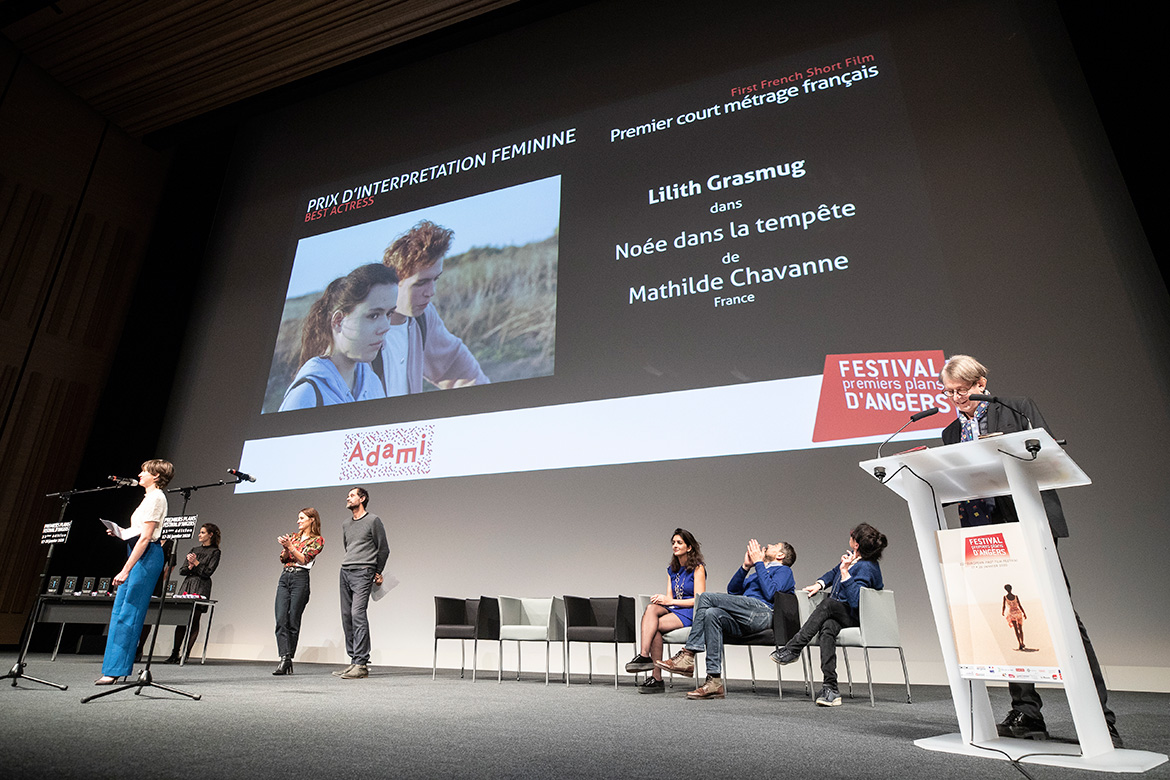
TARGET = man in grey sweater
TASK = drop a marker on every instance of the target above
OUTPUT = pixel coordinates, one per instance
(366, 553)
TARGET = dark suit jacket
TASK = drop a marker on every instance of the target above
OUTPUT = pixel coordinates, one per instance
(1004, 420)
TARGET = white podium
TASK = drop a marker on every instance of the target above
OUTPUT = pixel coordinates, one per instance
(997, 466)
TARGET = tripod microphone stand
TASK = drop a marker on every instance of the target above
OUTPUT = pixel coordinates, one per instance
(17, 670)
(145, 679)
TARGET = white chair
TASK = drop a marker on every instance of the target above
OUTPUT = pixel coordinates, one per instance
(805, 605)
(678, 636)
(878, 629)
(531, 620)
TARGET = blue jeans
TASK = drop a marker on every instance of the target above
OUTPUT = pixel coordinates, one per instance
(292, 594)
(356, 584)
(720, 614)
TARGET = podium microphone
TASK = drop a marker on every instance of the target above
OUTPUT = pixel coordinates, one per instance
(913, 419)
(241, 475)
(994, 400)
(124, 481)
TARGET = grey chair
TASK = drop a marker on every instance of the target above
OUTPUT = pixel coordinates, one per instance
(592, 620)
(531, 620)
(785, 623)
(464, 619)
(879, 629)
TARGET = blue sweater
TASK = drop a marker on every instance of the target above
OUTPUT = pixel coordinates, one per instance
(763, 582)
(863, 574)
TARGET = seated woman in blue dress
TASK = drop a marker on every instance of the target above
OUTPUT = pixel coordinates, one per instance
(686, 579)
(858, 569)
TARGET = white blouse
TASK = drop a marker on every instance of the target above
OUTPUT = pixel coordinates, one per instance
(152, 510)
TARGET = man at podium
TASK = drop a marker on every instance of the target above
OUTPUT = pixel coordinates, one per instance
(962, 377)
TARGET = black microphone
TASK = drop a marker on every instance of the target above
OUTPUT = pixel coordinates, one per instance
(241, 475)
(913, 419)
(124, 481)
(924, 413)
(993, 399)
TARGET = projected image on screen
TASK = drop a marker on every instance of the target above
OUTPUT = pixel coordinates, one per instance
(745, 265)
(454, 295)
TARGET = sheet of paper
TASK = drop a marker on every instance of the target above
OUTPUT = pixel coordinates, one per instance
(116, 530)
(389, 583)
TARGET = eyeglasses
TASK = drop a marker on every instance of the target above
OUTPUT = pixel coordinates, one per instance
(957, 393)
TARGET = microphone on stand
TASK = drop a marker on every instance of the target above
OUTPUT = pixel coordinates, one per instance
(124, 481)
(880, 472)
(241, 475)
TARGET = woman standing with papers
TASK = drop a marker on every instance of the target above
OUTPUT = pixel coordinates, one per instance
(137, 578)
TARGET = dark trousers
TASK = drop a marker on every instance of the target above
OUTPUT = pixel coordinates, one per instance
(829, 617)
(356, 584)
(292, 594)
(181, 631)
(1025, 697)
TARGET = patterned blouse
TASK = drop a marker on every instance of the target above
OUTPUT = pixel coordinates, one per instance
(308, 547)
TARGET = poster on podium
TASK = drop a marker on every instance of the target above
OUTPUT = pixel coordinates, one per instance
(1001, 630)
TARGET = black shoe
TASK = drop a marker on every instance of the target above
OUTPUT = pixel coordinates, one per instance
(785, 656)
(285, 666)
(652, 685)
(829, 697)
(1021, 726)
(173, 658)
(1113, 735)
(641, 663)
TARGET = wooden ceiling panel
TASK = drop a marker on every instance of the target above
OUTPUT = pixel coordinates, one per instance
(150, 64)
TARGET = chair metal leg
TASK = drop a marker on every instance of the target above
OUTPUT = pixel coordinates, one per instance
(589, 645)
(435, 659)
(667, 654)
(519, 663)
(567, 655)
(807, 667)
(752, 665)
(462, 657)
(615, 666)
(500, 664)
(848, 671)
(868, 675)
(905, 674)
(474, 657)
(547, 658)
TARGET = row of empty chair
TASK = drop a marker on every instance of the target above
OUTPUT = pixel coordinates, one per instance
(614, 620)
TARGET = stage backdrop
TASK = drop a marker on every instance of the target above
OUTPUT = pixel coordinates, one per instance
(706, 259)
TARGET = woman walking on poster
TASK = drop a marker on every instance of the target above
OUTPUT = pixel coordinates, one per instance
(1014, 612)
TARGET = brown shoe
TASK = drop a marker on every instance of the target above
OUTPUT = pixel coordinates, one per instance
(712, 688)
(356, 672)
(682, 663)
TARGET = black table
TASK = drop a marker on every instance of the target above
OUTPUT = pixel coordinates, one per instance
(95, 610)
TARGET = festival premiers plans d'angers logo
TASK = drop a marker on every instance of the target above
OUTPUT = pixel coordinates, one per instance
(874, 393)
(387, 453)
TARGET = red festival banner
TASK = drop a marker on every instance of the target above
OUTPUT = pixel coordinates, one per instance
(869, 394)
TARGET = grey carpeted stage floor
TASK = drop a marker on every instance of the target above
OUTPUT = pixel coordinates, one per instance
(398, 723)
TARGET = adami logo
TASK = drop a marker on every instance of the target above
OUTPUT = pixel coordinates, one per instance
(387, 453)
(986, 547)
